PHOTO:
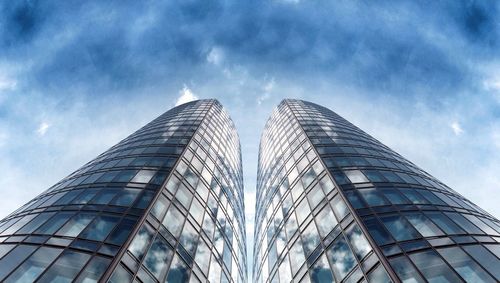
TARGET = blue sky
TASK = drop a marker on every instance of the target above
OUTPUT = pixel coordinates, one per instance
(421, 76)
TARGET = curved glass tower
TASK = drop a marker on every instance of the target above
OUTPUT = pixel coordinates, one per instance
(336, 205)
(163, 205)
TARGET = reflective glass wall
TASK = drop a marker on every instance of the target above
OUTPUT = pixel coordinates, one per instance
(82, 227)
(419, 229)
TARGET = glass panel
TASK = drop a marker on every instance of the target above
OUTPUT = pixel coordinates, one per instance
(405, 270)
(94, 270)
(105, 196)
(126, 197)
(433, 267)
(316, 195)
(423, 225)
(189, 238)
(100, 228)
(377, 231)
(464, 223)
(394, 196)
(203, 256)
(120, 275)
(379, 275)
(120, 234)
(356, 176)
(464, 265)
(341, 258)
(339, 207)
(184, 196)
(444, 223)
(481, 224)
(372, 197)
(141, 242)
(173, 221)
(302, 211)
(358, 241)
(65, 268)
(310, 238)
(296, 257)
(325, 221)
(35, 223)
(14, 258)
(485, 259)
(413, 196)
(18, 224)
(4, 249)
(320, 271)
(54, 223)
(400, 229)
(158, 257)
(35, 265)
(75, 225)
(144, 176)
(179, 271)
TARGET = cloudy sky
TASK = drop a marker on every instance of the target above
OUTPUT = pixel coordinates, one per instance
(76, 77)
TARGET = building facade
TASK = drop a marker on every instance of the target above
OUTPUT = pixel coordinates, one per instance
(336, 205)
(163, 205)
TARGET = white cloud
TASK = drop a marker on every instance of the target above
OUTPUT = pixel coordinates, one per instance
(186, 95)
(457, 128)
(42, 129)
(7, 83)
(216, 56)
(267, 88)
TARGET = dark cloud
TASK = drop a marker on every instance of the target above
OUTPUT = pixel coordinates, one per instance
(383, 46)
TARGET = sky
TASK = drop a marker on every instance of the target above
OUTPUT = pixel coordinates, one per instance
(76, 77)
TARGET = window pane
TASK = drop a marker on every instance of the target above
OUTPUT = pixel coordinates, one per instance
(99, 229)
(141, 242)
(120, 275)
(126, 197)
(464, 265)
(34, 265)
(356, 176)
(358, 241)
(179, 271)
(189, 238)
(302, 211)
(173, 221)
(310, 238)
(320, 271)
(66, 267)
(14, 258)
(143, 176)
(377, 231)
(75, 225)
(158, 257)
(94, 270)
(203, 256)
(105, 196)
(423, 225)
(433, 267)
(464, 223)
(485, 259)
(54, 223)
(35, 223)
(372, 197)
(296, 257)
(339, 207)
(394, 196)
(120, 234)
(405, 270)
(325, 221)
(341, 258)
(400, 229)
(444, 223)
(379, 275)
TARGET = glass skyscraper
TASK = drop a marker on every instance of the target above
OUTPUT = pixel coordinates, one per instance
(163, 205)
(336, 205)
